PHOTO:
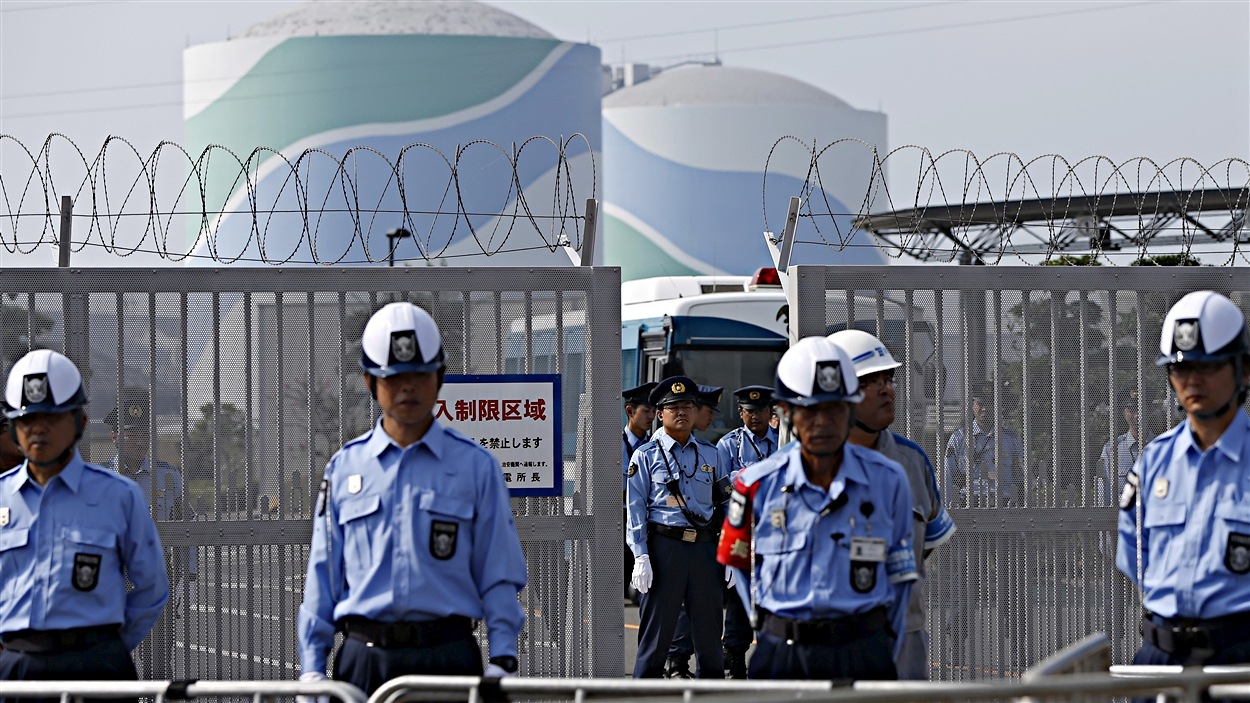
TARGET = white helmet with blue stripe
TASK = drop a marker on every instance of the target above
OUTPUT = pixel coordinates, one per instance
(866, 351)
(815, 371)
(43, 381)
(401, 338)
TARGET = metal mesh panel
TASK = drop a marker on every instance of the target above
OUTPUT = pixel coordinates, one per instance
(1031, 567)
(254, 381)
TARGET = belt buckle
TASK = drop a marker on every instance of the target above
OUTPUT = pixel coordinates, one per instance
(689, 534)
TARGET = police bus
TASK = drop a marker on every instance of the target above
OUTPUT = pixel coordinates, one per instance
(730, 331)
(726, 331)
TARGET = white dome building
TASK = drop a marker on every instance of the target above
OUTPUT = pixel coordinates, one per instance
(684, 172)
(384, 75)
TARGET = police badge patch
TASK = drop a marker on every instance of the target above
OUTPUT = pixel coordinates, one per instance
(443, 539)
(1185, 336)
(403, 346)
(86, 571)
(863, 576)
(737, 511)
(35, 388)
(828, 376)
(1237, 553)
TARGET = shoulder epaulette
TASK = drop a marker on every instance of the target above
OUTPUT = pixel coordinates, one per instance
(760, 469)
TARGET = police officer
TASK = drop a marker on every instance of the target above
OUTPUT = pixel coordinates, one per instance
(1183, 504)
(639, 417)
(826, 528)
(988, 465)
(10, 453)
(163, 488)
(413, 536)
(82, 576)
(1119, 455)
(933, 526)
(682, 646)
(754, 441)
(674, 494)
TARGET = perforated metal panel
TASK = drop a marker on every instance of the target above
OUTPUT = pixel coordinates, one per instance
(254, 380)
(1031, 567)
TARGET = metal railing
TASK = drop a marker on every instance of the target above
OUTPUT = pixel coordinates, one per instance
(162, 691)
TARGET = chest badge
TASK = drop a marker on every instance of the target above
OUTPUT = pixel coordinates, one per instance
(4, 517)
(706, 468)
(86, 571)
(1161, 487)
(443, 537)
(778, 519)
(1237, 553)
(354, 483)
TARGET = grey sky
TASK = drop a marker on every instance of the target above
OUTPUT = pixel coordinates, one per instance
(1120, 79)
(1123, 79)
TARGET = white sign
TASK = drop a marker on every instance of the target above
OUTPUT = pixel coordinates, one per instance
(516, 417)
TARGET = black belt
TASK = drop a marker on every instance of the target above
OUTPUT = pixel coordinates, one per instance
(1184, 635)
(852, 627)
(71, 639)
(685, 534)
(429, 633)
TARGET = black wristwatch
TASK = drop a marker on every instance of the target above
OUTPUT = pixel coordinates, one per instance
(508, 664)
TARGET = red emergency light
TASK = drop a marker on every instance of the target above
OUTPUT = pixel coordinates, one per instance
(765, 278)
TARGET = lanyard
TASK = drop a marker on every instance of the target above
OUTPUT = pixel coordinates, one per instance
(747, 435)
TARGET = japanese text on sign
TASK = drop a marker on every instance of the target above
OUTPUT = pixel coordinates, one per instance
(516, 417)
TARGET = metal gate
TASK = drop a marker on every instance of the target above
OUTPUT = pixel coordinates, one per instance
(1061, 352)
(254, 384)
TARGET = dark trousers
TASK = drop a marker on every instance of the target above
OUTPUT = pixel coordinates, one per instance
(868, 658)
(684, 572)
(1150, 654)
(102, 661)
(738, 634)
(369, 667)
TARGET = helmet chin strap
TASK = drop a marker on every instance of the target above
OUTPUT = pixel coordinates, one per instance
(870, 430)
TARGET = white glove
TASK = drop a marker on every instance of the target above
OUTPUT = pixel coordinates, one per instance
(494, 671)
(729, 577)
(641, 580)
(308, 676)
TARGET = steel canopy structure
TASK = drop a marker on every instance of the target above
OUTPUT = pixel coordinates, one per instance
(1109, 222)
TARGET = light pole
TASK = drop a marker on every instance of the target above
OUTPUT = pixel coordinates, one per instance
(393, 237)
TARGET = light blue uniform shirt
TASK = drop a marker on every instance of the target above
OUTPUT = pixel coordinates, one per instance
(647, 498)
(804, 567)
(629, 444)
(168, 504)
(69, 549)
(1116, 461)
(741, 448)
(984, 472)
(409, 535)
(1195, 524)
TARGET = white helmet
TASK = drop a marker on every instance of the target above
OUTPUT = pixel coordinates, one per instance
(866, 351)
(400, 338)
(43, 381)
(1203, 326)
(815, 371)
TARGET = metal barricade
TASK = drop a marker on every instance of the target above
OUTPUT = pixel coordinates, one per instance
(474, 689)
(162, 691)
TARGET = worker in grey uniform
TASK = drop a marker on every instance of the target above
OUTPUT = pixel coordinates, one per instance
(875, 367)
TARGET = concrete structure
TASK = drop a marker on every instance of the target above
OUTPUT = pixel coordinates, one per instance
(685, 152)
(385, 75)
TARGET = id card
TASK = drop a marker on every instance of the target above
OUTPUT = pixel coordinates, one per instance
(867, 549)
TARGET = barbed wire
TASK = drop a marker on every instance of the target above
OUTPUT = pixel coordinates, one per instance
(1006, 209)
(313, 207)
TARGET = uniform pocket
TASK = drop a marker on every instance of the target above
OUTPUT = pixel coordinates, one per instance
(446, 521)
(87, 554)
(354, 520)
